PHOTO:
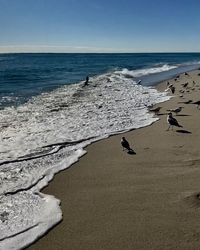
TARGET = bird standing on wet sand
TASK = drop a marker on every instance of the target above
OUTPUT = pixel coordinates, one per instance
(125, 144)
(86, 81)
(172, 122)
(185, 84)
(177, 110)
(172, 88)
(156, 110)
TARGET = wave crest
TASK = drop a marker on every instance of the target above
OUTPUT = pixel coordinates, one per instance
(142, 72)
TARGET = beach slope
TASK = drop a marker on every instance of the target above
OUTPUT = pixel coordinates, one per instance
(150, 200)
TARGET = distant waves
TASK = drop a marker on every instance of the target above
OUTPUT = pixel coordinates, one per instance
(23, 76)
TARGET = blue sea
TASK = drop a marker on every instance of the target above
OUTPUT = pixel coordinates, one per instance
(48, 115)
(25, 75)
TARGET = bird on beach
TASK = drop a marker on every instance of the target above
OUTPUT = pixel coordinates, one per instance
(185, 84)
(172, 88)
(156, 110)
(177, 110)
(125, 145)
(186, 102)
(172, 122)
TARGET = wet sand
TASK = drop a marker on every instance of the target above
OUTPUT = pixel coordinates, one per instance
(151, 200)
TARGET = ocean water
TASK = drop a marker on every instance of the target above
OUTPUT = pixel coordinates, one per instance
(48, 116)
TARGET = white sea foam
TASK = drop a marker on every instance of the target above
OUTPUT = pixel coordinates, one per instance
(8, 99)
(146, 71)
(18, 231)
(48, 134)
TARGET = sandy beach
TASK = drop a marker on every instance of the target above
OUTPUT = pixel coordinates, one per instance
(151, 200)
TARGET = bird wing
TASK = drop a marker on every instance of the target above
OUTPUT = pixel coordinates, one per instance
(125, 144)
(177, 110)
(173, 121)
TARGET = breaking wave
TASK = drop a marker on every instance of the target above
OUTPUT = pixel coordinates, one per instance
(49, 133)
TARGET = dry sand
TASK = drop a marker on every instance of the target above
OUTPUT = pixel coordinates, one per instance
(113, 200)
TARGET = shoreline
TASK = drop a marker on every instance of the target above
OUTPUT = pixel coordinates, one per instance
(96, 200)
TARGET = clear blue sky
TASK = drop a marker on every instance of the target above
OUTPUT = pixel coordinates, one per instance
(99, 25)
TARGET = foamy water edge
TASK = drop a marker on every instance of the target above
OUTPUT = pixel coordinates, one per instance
(49, 203)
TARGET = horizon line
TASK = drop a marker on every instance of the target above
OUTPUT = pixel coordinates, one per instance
(69, 49)
(58, 52)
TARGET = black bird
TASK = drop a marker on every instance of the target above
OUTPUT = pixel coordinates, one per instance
(86, 81)
(172, 88)
(172, 121)
(177, 110)
(185, 84)
(125, 144)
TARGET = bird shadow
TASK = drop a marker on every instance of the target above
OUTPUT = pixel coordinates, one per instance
(193, 200)
(131, 152)
(183, 131)
(187, 102)
(182, 115)
(161, 114)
